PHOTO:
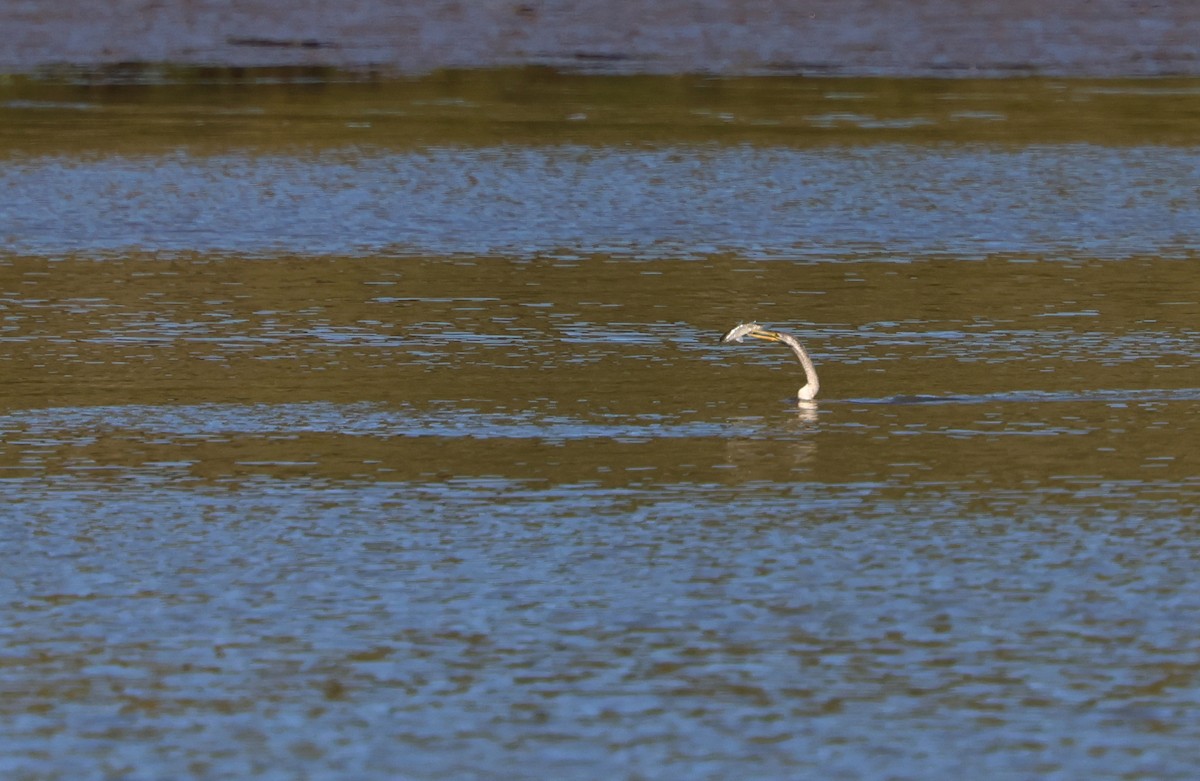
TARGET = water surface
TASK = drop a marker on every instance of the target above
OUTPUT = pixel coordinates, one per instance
(336, 457)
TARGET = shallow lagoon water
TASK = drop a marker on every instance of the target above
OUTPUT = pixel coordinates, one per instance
(324, 458)
(520, 201)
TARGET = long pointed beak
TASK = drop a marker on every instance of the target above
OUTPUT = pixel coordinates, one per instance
(767, 336)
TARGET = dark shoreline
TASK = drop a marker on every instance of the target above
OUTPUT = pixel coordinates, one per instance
(1082, 38)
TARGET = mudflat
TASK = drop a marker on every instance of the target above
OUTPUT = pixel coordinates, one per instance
(851, 37)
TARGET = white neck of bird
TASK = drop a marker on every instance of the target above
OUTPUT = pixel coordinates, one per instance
(811, 383)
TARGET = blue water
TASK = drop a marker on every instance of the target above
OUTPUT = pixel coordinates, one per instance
(807, 204)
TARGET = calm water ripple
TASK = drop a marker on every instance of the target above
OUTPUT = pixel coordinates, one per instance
(700, 626)
(897, 200)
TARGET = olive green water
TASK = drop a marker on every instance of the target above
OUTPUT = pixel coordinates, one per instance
(378, 429)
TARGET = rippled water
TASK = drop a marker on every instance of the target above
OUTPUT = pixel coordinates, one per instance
(520, 201)
(324, 459)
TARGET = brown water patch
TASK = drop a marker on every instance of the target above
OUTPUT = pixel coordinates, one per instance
(205, 110)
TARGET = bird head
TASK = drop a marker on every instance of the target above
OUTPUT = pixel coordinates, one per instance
(743, 330)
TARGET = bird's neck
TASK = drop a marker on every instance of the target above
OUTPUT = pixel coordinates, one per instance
(811, 383)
